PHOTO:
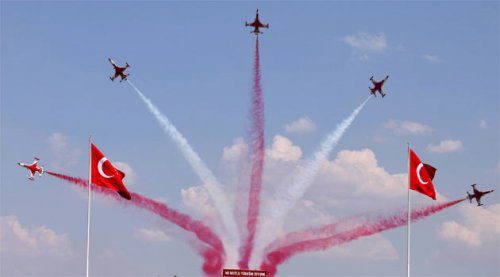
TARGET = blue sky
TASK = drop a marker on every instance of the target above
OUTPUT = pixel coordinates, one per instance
(194, 61)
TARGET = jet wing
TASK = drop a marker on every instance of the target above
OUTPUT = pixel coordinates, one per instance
(113, 63)
(262, 25)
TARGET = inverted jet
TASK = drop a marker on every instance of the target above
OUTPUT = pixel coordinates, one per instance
(32, 168)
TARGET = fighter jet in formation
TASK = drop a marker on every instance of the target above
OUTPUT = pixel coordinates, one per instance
(32, 168)
(119, 71)
(477, 194)
(377, 86)
(256, 24)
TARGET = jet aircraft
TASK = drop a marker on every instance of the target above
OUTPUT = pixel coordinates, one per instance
(119, 71)
(477, 194)
(377, 86)
(256, 24)
(32, 168)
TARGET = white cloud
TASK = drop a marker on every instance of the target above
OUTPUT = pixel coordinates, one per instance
(364, 43)
(352, 177)
(235, 152)
(151, 235)
(478, 226)
(407, 127)
(357, 173)
(283, 149)
(197, 199)
(483, 124)
(65, 155)
(305, 208)
(301, 125)
(452, 230)
(32, 241)
(431, 58)
(446, 146)
(130, 175)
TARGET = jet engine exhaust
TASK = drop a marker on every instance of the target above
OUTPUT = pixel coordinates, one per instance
(274, 258)
(204, 173)
(213, 255)
(257, 150)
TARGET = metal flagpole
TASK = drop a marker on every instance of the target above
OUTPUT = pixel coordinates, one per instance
(408, 219)
(88, 208)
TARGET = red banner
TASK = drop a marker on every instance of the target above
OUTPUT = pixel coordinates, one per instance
(243, 273)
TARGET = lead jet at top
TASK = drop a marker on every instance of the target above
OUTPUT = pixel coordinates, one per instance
(377, 86)
(256, 24)
(32, 168)
(119, 71)
(477, 194)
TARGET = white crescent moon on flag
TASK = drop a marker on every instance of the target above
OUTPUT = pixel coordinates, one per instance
(419, 167)
(99, 168)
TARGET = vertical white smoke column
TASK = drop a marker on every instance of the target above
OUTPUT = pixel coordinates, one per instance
(287, 195)
(210, 182)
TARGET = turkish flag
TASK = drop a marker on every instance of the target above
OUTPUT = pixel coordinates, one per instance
(421, 176)
(104, 174)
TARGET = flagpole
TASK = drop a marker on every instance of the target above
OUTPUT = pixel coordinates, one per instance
(408, 219)
(88, 208)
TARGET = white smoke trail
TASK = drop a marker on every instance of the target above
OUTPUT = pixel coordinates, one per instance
(210, 182)
(286, 196)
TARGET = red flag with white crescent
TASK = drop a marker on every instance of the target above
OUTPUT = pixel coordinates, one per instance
(421, 176)
(104, 174)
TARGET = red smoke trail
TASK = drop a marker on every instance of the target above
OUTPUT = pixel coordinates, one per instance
(214, 256)
(381, 223)
(257, 137)
(319, 232)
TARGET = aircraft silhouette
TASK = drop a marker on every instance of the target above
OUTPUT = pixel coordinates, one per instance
(477, 194)
(257, 24)
(377, 86)
(119, 71)
(32, 168)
